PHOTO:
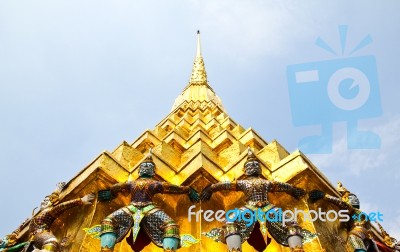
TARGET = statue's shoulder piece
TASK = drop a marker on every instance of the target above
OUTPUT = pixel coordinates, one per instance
(278, 186)
(268, 183)
(42, 212)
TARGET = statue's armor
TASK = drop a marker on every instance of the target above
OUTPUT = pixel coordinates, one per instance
(156, 223)
(256, 189)
(39, 227)
(256, 192)
(358, 235)
(142, 190)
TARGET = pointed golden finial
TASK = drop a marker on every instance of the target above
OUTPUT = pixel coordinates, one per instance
(250, 155)
(199, 75)
(149, 157)
(341, 189)
(198, 89)
(198, 49)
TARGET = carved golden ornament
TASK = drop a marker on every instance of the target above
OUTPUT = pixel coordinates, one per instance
(149, 156)
(50, 247)
(230, 229)
(141, 184)
(106, 250)
(250, 155)
(389, 241)
(342, 189)
(297, 249)
(169, 250)
(235, 250)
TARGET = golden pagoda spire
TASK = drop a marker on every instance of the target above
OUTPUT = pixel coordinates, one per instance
(198, 49)
(199, 75)
(198, 89)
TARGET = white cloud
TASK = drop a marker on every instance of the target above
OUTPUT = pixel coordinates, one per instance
(261, 27)
(358, 161)
(368, 207)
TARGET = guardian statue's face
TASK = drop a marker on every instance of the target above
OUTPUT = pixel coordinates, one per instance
(354, 201)
(252, 168)
(147, 169)
(351, 199)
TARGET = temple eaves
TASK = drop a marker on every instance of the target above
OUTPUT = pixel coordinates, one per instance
(198, 89)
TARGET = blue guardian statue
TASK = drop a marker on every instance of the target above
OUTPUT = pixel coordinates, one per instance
(142, 214)
(256, 189)
(358, 239)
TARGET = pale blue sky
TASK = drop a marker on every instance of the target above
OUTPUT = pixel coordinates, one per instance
(78, 77)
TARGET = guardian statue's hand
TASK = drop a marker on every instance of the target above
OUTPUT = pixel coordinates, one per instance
(206, 193)
(316, 195)
(88, 199)
(298, 193)
(105, 195)
(193, 195)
